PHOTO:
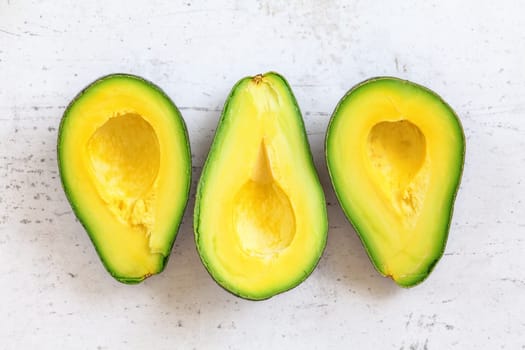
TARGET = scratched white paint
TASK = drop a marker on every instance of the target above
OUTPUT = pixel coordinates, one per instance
(55, 294)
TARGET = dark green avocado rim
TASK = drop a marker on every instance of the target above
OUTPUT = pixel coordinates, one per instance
(417, 279)
(77, 211)
(223, 284)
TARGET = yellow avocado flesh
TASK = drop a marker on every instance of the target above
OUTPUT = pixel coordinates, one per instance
(260, 217)
(125, 164)
(395, 154)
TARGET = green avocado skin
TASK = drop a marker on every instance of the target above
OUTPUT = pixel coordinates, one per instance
(202, 183)
(414, 279)
(66, 186)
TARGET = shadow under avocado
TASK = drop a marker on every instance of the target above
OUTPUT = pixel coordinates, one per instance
(345, 258)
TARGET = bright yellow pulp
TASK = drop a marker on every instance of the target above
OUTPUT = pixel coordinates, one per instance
(390, 156)
(125, 166)
(262, 214)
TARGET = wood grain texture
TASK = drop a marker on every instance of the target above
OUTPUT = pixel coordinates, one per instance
(54, 291)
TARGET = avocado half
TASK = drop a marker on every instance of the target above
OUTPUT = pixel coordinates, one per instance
(125, 165)
(395, 153)
(260, 215)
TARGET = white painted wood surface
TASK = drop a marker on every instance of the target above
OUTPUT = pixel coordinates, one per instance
(54, 292)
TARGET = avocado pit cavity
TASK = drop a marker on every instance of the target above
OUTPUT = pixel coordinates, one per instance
(263, 215)
(125, 157)
(397, 152)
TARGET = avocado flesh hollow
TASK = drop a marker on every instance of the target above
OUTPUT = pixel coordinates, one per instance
(125, 165)
(395, 153)
(260, 216)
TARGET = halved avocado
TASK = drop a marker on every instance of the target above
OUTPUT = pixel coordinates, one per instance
(260, 215)
(395, 153)
(125, 164)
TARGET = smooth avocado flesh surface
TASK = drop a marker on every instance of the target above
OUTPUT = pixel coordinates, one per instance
(125, 165)
(395, 153)
(260, 216)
